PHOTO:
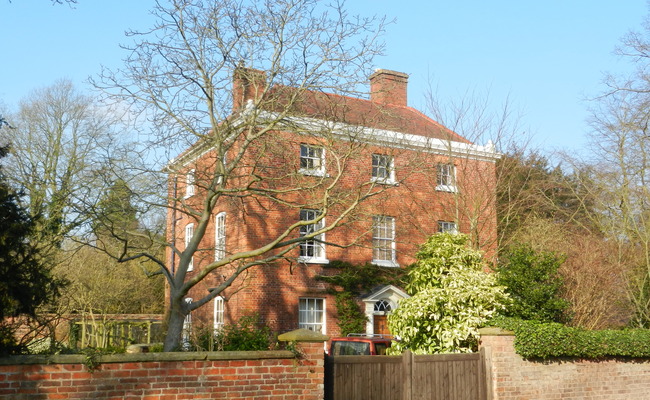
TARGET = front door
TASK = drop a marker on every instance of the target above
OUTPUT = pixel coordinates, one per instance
(380, 325)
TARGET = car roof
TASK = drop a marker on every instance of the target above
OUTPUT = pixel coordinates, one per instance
(360, 339)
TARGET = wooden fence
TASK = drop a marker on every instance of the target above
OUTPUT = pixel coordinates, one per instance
(406, 377)
(106, 331)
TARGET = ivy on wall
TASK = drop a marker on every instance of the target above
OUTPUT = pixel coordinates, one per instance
(350, 282)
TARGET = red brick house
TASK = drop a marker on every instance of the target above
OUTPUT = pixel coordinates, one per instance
(373, 176)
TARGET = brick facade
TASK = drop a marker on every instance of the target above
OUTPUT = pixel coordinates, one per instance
(513, 378)
(415, 199)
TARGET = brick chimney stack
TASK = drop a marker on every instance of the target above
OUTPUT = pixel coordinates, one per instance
(388, 87)
(247, 84)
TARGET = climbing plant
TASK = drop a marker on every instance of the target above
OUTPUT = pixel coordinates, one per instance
(353, 280)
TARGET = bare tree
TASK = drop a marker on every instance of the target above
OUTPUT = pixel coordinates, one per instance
(619, 171)
(179, 76)
(540, 203)
(618, 178)
(474, 117)
(99, 286)
(61, 145)
(615, 178)
(593, 274)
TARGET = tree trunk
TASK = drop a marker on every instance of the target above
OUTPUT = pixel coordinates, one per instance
(175, 325)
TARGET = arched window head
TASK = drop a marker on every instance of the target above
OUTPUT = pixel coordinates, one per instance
(382, 306)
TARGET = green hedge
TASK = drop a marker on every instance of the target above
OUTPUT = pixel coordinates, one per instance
(535, 340)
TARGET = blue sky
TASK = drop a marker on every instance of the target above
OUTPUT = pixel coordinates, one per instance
(546, 57)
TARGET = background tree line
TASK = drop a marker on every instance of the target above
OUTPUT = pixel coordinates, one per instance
(61, 156)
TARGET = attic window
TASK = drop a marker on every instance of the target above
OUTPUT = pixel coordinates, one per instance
(190, 188)
(382, 168)
(446, 178)
(312, 160)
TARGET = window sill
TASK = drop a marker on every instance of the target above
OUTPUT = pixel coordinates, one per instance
(313, 260)
(385, 263)
(447, 188)
(312, 172)
(384, 181)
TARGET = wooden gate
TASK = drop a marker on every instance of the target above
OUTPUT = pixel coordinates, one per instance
(406, 377)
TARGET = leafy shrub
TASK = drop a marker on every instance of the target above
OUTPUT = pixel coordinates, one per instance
(156, 348)
(246, 334)
(534, 339)
(8, 344)
(48, 345)
(532, 280)
(451, 297)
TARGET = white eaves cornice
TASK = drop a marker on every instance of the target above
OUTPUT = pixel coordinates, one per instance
(394, 139)
(344, 131)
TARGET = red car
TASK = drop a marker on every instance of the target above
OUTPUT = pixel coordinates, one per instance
(359, 345)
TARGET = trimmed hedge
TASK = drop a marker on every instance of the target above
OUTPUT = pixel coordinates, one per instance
(535, 340)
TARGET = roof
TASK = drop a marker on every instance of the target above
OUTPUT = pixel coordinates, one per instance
(342, 109)
(380, 292)
(360, 112)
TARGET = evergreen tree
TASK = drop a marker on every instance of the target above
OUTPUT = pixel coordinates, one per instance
(534, 283)
(116, 214)
(25, 281)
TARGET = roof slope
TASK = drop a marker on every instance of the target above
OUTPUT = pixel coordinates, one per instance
(337, 108)
(361, 112)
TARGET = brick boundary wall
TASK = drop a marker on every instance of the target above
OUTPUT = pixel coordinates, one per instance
(263, 375)
(511, 377)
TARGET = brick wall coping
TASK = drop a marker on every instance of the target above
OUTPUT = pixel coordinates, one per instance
(303, 335)
(108, 317)
(147, 357)
(489, 331)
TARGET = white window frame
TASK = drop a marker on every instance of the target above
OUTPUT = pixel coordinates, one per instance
(218, 313)
(383, 241)
(311, 314)
(310, 163)
(382, 307)
(186, 333)
(446, 177)
(383, 168)
(189, 233)
(220, 236)
(190, 183)
(225, 166)
(316, 246)
(447, 226)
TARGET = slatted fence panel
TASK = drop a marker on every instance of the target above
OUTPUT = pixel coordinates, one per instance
(448, 377)
(363, 378)
(406, 377)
